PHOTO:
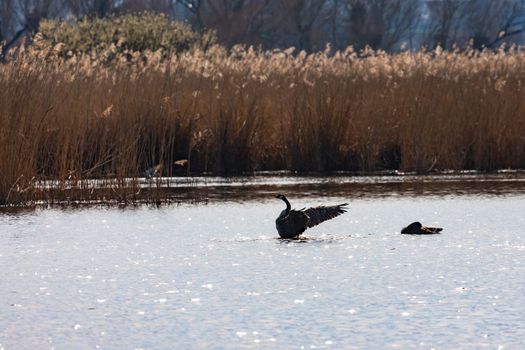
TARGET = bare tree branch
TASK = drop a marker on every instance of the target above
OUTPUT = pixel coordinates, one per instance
(303, 15)
(380, 24)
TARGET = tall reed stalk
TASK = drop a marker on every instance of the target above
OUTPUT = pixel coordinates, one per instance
(71, 118)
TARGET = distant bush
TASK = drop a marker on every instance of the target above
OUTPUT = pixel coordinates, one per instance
(136, 33)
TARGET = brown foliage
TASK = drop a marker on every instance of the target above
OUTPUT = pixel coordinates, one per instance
(76, 119)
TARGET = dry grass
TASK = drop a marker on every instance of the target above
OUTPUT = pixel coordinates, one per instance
(82, 117)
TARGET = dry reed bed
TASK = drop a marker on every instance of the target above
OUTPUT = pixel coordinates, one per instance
(112, 115)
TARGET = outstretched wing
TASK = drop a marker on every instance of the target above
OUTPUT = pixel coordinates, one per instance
(316, 215)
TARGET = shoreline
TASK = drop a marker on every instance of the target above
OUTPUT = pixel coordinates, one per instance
(164, 191)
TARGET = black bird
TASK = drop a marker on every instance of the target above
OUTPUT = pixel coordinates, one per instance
(291, 223)
(416, 228)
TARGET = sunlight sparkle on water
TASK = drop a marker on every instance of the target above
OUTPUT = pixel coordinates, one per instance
(150, 278)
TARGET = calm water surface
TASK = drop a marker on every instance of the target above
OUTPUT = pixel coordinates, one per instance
(215, 276)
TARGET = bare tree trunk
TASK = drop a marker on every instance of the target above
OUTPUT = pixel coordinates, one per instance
(335, 11)
(10, 43)
(195, 7)
(380, 24)
(304, 15)
(101, 7)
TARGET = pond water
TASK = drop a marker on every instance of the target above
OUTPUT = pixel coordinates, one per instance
(215, 276)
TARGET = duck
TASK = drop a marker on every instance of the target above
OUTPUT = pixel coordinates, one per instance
(154, 171)
(416, 228)
(292, 223)
(180, 167)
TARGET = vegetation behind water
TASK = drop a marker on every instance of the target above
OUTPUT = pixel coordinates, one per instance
(72, 116)
(123, 35)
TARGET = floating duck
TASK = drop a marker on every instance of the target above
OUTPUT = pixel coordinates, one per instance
(416, 228)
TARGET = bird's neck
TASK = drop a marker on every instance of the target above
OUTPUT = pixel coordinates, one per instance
(288, 206)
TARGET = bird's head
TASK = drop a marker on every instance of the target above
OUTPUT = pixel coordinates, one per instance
(416, 224)
(280, 196)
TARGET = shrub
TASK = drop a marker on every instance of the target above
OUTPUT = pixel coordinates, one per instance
(127, 33)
